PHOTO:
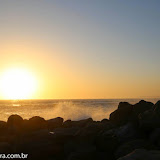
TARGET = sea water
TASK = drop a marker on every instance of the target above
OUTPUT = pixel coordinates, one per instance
(97, 109)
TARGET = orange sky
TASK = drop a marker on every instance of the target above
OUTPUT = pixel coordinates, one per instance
(77, 50)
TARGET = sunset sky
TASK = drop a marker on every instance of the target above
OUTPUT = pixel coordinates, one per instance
(83, 48)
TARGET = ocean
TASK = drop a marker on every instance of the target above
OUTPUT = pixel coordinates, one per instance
(97, 109)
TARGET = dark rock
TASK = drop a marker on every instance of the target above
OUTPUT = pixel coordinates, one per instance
(140, 154)
(63, 135)
(73, 146)
(106, 142)
(141, 107)
(130, 146)
(122, 114)
(156, 108)
(155, 137)
(67, 124)
(149, 120)
(104, 156)
(15, 123)
(105, 121)
(55, 123)
(80, 123)
(3, 127)
(5, 147)
(88, 155)
(37, 123)
(128, 132)
(89, 133)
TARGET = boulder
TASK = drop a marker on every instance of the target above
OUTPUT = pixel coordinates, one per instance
(140, 154)
(104, 156)
(73, 146)
(106, 142)
(130, 146)
(128, 132)
(55, 123)
(3, 127)
(63, 135)
(5, 148)
(80, 123)
(149, 120)
(15, 123)
(105, 121)
(122, 115)
(155, 137)
(83, 155)
(156, 108)
(37, 123)
(141, 107)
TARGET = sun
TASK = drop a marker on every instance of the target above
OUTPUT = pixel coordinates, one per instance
(17, 83)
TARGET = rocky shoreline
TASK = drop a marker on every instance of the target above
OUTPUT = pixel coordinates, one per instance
(132, 132)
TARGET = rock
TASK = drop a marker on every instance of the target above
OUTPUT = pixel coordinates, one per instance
(55, 123)
(156, 108)
(62, 135)
(122, 114)
(104, 156)
(3, 127)
(128, 132)
(89, 133)
(141, 107)
(5, 148)
(67, 123)
(155, 137)
(73, 146)
(15, 123)
(37, 123)
(130, 146)
(149, 120)
(87, 155)
(105, 121)
(80, 123)
(106, 142)
(140, 154)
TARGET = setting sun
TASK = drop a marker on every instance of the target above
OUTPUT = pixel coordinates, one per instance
(17, 84)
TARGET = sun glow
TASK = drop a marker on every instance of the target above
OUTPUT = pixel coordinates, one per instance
(17, 84)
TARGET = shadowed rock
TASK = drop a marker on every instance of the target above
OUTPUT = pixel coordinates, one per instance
(142, 154)
(36, 123)
(15, 123)
(122, 114)
(141, 107)
(55, 123)
(80, 123)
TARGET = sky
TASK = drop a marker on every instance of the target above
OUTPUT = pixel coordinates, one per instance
(84, 49)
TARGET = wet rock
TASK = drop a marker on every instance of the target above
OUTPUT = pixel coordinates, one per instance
(140, 154)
